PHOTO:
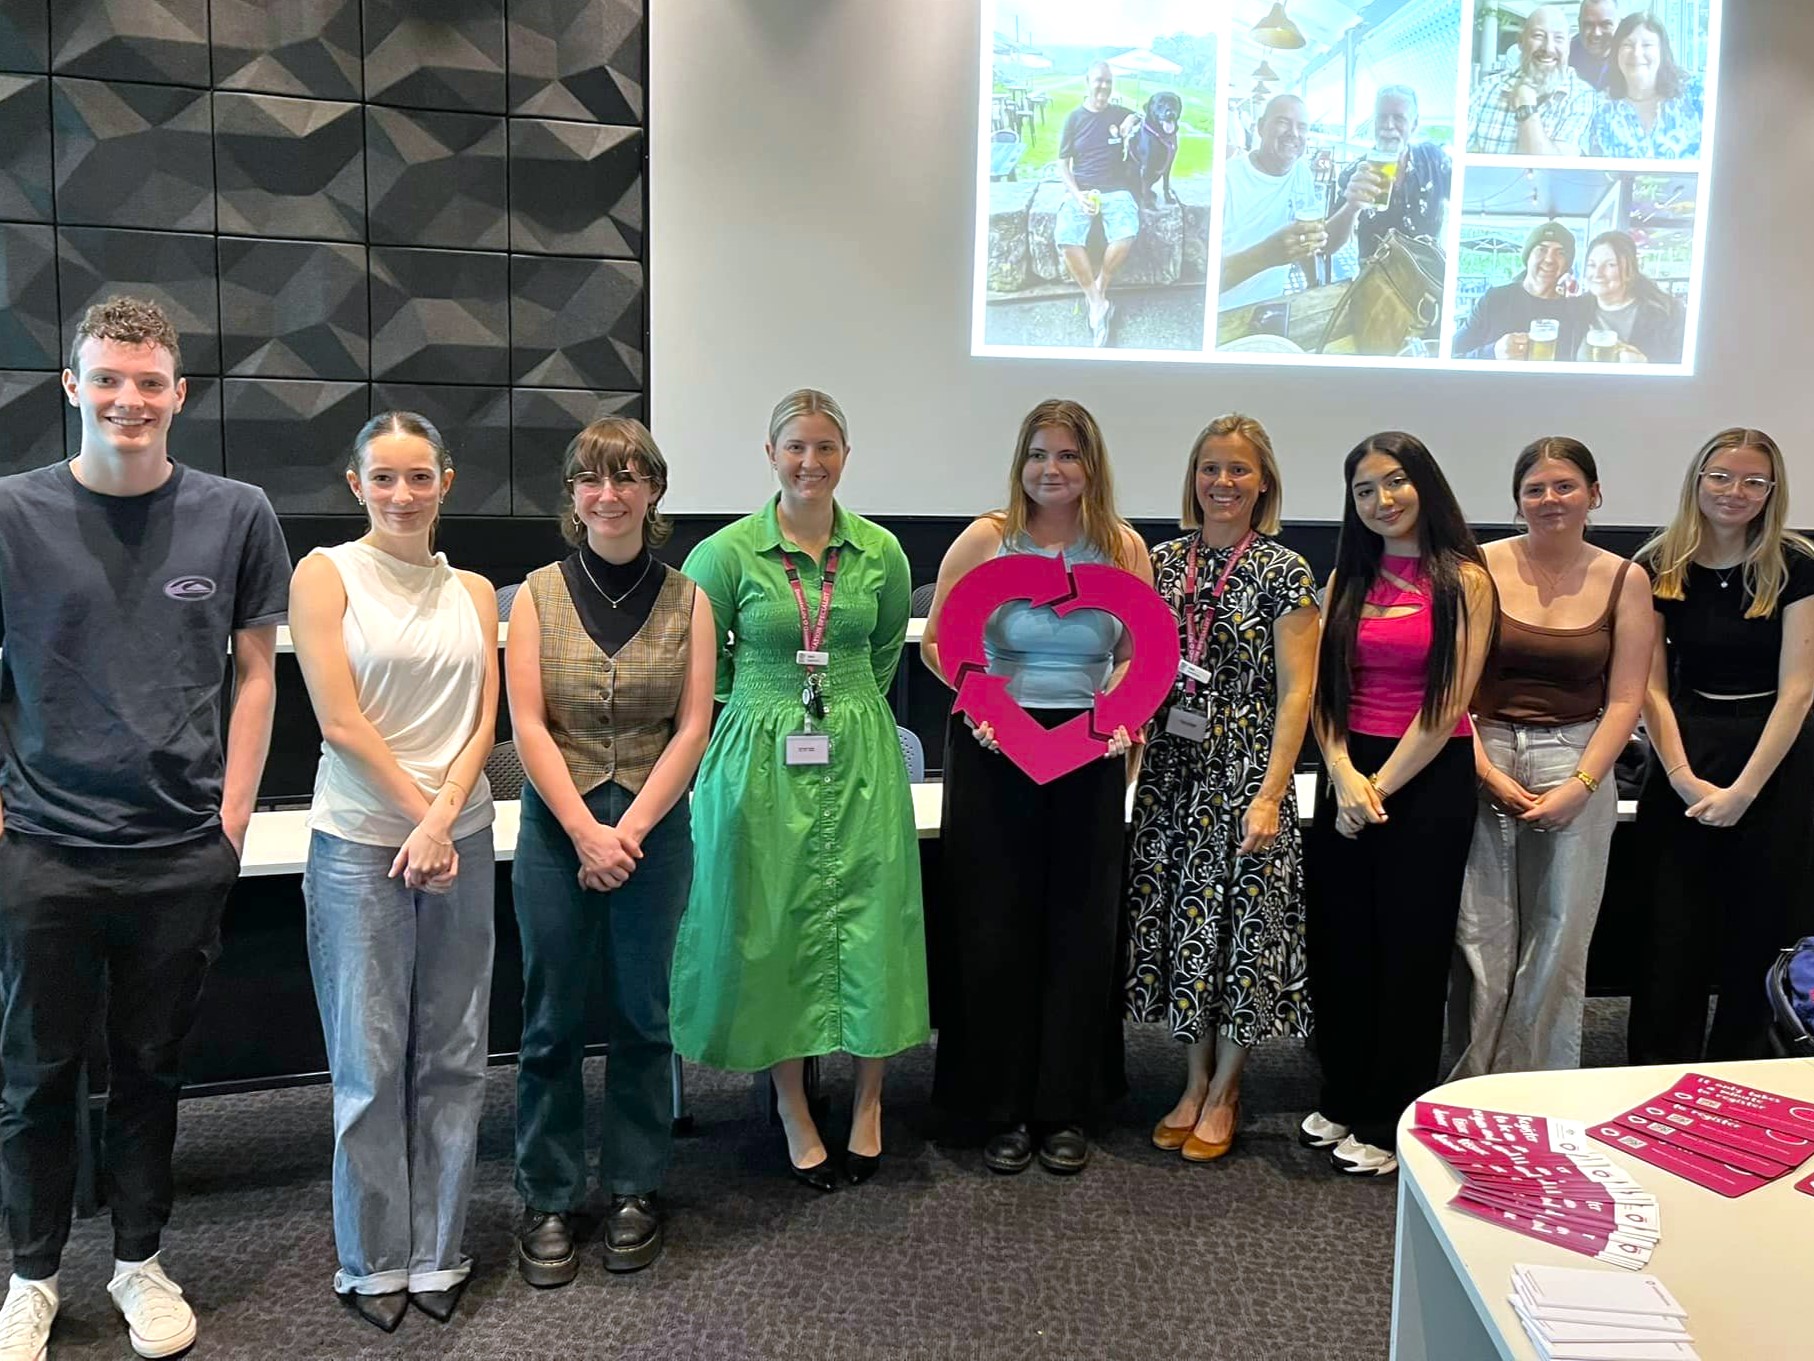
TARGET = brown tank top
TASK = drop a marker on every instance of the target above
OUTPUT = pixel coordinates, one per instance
(1550, 677)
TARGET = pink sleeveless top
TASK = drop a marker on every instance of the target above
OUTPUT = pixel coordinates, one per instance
(1391, 656)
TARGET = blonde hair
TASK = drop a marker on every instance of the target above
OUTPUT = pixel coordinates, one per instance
(1267, 508)
(1768, 540)
(1101, 525)
(807, 402)
(610, 445)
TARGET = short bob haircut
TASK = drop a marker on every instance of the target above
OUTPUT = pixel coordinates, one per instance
(1267, 509)
(610, 445)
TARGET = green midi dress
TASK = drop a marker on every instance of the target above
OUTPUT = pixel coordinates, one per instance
(803, 932)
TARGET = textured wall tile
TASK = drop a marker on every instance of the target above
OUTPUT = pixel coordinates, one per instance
(25, 188)
(174, 269)
(30, 337)
(293, 309)
(133, 155)
(475, 423)
(25, 35)
(31, 413)
(292, 438)
(575, 188)
(292, 47)
(157, 40)
(435, 54)
(576, 323)
(440, 316)
(290, 167)
(437, 179)
(577, 59)
(194, 434)
(543, 421)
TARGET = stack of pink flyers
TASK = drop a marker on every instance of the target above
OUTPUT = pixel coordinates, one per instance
(1726, 1137)
(1575, 1315)
(1541, 1178)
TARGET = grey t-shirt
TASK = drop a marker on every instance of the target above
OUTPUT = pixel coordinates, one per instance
(117, 612)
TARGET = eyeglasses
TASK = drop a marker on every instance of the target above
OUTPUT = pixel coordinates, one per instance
(591, 484)
(1719, 482)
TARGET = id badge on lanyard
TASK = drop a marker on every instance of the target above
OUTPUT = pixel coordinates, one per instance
(809, 746)
(1182, 720)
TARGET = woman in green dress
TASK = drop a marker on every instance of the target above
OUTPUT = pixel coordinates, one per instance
(803, 932)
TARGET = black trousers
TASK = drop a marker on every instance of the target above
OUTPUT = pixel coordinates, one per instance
(1028, 946)
(1380, 912)
(1724, 899)
(132, 929)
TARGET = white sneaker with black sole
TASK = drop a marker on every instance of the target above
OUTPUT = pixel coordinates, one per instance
(1316, 1132)
(25, 1321)
(1356, 1159)
(160, 1319)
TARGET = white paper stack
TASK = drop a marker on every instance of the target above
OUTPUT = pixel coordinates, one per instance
(1571, 1314)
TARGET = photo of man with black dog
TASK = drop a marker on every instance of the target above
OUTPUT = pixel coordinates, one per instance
(1092, 162)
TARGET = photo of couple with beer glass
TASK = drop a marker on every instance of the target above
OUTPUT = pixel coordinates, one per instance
(1574, 266)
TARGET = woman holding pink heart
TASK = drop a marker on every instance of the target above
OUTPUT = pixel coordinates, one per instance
(1028, 944)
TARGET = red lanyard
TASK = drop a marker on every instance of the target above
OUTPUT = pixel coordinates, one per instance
(1196, 642)
(812, 632)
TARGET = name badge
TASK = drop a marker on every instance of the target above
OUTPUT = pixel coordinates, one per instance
(809, 658)
(1191, 671)
(808, 749)
(1188, 724)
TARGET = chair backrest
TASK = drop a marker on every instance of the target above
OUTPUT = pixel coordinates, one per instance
(504, 771)
(922, 600)
(507, 598)
(913, 752)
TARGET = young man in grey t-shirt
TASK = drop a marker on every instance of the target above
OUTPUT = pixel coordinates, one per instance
(123, 577)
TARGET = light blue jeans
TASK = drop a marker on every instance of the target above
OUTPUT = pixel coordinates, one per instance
(403, 981)
(1528, 909)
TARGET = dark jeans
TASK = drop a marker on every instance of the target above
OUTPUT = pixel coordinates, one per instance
(623, 940)
(1380, 913)
(79, 927)
(1724, 899)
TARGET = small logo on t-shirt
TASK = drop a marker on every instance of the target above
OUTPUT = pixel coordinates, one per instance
(189, 588)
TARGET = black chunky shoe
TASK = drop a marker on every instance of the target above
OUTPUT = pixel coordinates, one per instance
(1065, 1151)
(632, 1232)
(545, 1254)
(1010, 1151)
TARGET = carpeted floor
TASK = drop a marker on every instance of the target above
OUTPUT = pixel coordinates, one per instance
(1266, 1254)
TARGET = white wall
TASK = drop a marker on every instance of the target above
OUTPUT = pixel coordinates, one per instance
(812, 201)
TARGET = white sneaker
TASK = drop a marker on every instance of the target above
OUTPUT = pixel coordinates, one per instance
(1316, 1132)
(25, 1321)
(1362, 1160)
(161, 1320)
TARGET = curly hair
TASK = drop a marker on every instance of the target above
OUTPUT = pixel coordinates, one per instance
(126, 321)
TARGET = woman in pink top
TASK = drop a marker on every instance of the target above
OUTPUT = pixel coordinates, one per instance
(1408, 619)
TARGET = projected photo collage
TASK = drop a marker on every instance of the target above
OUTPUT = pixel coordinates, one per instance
(1437, 183)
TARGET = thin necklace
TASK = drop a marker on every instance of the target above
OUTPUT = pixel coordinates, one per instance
(1555, 581)
(618, 603)
(1725, 573)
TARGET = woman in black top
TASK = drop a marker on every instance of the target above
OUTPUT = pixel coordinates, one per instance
(1727, 811)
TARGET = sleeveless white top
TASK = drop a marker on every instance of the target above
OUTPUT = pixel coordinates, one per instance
(418, 658)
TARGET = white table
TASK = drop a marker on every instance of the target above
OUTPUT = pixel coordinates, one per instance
(1739, 1267)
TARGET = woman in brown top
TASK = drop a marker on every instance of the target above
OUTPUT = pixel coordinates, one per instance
(1560, 696)
(609, 666)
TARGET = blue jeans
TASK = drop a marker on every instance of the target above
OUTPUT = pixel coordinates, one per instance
(625, 939)
(403, 980)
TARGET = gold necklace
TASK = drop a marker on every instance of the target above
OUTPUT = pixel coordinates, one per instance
(1555, 581)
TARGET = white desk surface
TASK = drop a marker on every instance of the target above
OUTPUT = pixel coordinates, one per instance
(1739, 1267)
(916, 629)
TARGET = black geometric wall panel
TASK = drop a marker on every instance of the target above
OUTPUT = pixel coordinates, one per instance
(437, 179)
(30, 335)
(25, 192)
(292, 438)
(133, 155)
(576, 323)
(287, 47)
(174, 269)
(475, 422)
(290, 167)
(577, 59)
(440, 316)
(543, 421)
(161, 40)
(31, 412)
(195, 433)
(575, 188)
(293, 309)
(435, 54)
(25, 35)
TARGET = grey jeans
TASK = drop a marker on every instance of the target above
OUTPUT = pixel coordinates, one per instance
(1528, 908)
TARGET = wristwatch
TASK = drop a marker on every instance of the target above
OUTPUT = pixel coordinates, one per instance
(1524, 111)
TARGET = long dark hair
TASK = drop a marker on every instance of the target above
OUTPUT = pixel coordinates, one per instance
(1444, 542)
(1643, 287)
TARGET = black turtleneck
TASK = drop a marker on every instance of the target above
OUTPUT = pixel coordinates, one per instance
(612, 626)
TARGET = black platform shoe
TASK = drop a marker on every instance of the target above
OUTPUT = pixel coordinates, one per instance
(545, 1254)
(1010, 1151)
(439, 1304)
(632, 1232)
(381, 1311)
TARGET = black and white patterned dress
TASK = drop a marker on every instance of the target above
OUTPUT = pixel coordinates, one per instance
(1217, 938)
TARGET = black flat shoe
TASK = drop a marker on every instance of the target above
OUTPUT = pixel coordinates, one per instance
(1009, 1152)
(1064, 1151)
(821, 1176)
(545, 1255)
(381, 1311)
(860, 1167)
(632, 1232)
(439, 1304)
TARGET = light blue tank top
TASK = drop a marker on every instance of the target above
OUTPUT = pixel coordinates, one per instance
(1052, 662)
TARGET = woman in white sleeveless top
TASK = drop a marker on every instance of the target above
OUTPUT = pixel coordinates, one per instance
(400, 654)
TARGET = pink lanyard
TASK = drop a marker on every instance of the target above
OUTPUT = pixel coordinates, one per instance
(1196, 642)
(812, 632)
